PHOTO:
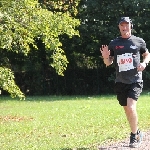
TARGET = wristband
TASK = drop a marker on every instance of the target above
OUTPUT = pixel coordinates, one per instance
(145, 63)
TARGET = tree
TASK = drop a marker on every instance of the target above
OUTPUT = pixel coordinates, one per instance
(99, 25)
(25, 21)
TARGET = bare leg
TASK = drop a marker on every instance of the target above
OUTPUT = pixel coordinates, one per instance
(131, 113)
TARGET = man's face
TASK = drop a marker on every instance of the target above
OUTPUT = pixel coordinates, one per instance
(125, 28)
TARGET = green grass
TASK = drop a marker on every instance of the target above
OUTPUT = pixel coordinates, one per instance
(61, 123)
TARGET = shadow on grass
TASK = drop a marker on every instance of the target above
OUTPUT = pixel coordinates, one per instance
(59, 98)
(65, 97)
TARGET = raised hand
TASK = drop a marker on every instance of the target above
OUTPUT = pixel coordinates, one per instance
(104, 51)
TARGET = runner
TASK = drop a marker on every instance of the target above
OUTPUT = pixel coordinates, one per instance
(125, 52)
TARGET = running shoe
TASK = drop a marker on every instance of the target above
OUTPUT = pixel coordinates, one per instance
(136, 139)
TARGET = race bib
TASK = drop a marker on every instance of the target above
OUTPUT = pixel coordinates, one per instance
(125, 62)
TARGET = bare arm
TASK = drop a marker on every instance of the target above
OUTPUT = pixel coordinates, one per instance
(108, 60)
(146, 59)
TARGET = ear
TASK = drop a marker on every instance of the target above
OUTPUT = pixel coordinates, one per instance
(131, 24)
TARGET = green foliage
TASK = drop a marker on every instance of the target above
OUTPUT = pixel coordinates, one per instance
(23, 21)
(61, 5)
(8, 84)
(50, 21)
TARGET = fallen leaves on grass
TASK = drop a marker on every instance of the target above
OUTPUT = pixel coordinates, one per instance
(14, 118)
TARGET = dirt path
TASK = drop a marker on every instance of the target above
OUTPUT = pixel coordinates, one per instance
(123, 145)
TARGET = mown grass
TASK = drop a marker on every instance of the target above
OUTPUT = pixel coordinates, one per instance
(65, 122)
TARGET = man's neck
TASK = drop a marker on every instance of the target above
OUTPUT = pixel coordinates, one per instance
(128, 35)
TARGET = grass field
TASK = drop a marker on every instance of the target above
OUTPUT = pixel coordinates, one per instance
(65, 122)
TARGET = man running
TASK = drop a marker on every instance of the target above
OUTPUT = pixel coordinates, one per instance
(125, 52)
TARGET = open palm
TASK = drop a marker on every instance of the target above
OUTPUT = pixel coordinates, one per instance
(104, 51)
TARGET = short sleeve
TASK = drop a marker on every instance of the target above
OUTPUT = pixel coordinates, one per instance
(143, 47)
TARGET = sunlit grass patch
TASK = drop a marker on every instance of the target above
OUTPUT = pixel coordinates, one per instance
(65, 122)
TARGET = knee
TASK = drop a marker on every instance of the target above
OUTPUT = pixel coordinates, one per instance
(130, 109)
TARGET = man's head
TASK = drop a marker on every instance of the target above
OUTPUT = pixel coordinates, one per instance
(125, 26)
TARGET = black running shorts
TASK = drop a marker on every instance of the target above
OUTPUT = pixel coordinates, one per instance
(125, 91)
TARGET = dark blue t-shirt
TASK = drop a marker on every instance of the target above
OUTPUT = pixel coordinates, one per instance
(127, 53)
